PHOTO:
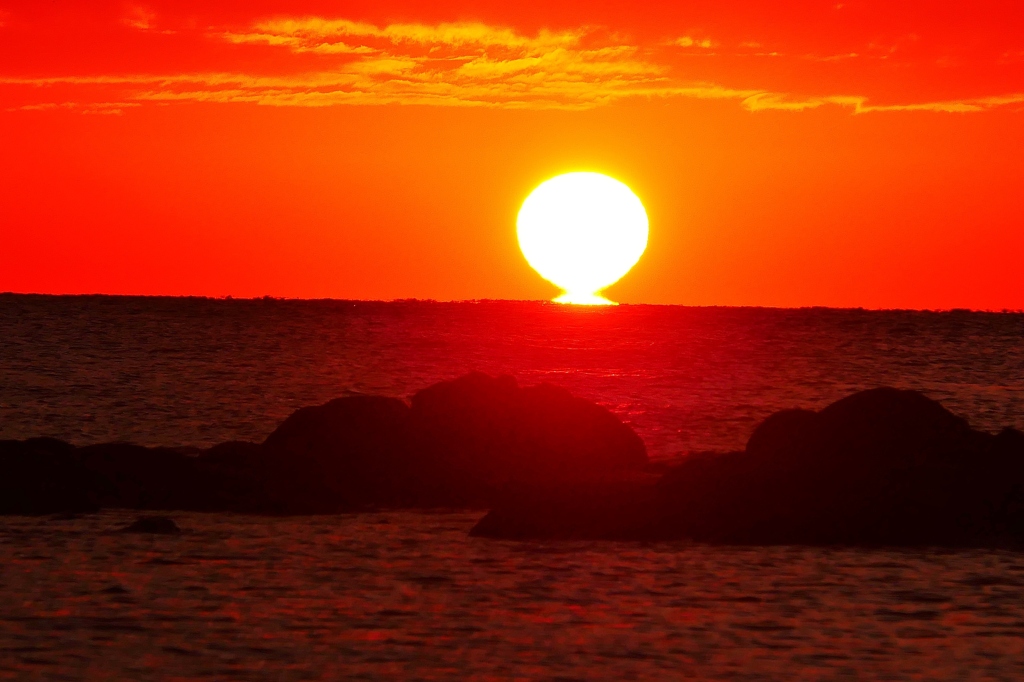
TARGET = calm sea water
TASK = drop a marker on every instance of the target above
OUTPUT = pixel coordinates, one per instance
(196, 372)
(407, 595)
(411, 596)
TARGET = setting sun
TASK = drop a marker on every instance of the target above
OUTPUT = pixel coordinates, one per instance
(582, 232)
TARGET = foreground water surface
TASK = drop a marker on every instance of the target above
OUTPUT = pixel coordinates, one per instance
(410, 595)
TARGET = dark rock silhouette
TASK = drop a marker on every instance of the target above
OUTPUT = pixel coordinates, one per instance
(155, 525)
(623, 509)
(880, 467)
(44, 476)
(346, 454)
(476, 438)
(461, 443)
(125, 475)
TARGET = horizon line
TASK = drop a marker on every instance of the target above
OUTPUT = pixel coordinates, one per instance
(553, 304)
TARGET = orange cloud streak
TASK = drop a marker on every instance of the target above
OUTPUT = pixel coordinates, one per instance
(454, 65)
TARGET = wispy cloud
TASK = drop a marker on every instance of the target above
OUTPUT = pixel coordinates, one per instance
(689, 41)
(766, 101)
(460, 64)
(139, 17)
(312, 31)
(103, 108)
(456, 64)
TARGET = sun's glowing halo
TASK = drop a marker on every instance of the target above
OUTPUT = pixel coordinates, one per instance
(582, 232)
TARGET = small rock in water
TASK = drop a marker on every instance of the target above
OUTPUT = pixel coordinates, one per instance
(160, 525)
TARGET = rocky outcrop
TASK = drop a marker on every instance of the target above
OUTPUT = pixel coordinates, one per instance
(43, 476)
(476, 438)
(610, 509)
(461, 443)
(880, 467)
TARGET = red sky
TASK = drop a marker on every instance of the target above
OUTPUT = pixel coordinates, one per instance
(807, 153)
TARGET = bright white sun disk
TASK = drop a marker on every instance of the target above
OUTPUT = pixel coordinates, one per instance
(582, 232)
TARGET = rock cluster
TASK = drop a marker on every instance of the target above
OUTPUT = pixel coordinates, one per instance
(880, 467)
(462, 443)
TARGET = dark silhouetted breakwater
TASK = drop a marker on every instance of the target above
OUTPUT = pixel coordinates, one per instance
(880, 467)
(463, 443)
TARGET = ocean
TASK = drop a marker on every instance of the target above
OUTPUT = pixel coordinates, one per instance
(408, 595)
